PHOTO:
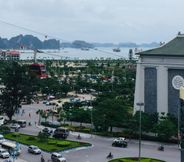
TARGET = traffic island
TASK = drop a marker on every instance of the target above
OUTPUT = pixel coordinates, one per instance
(135, 159)
(49, 145)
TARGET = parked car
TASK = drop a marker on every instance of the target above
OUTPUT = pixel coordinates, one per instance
(47, 131)
(15, 126)
(120, 142)
(34, 149)
(4, 153)
(56, 157)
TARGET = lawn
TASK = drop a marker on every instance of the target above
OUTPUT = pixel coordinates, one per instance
(135, 160)
(51, 145)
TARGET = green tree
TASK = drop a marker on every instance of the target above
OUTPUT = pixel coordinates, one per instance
(18, 86)
(165, 129)
(110, 113)
(80, 115)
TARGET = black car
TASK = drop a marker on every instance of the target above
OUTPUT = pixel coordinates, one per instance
(47, 131)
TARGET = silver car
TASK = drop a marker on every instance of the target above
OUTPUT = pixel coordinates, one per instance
(56, 157)
(4, 153)
(34, 149)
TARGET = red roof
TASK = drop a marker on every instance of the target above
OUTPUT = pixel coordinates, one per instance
(13, 52)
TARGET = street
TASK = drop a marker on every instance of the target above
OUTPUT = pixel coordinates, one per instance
(101, 146)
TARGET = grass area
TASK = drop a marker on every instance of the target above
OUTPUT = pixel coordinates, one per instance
(135, 159)
(50, 145)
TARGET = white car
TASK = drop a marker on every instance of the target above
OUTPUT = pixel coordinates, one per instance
(4, 153)
(56, 157)
(34, 149)
(15, 126)
(120, 139)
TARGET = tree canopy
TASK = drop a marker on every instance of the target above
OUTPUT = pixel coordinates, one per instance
(18, 86)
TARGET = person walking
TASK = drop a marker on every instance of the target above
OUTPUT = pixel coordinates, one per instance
(42, 159)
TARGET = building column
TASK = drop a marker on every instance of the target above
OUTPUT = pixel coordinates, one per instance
(139, 87)
(162, 89)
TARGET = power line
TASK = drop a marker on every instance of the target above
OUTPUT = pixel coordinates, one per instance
(30, 30)
(50, 36)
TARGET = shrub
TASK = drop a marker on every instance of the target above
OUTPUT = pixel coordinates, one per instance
(51, 142)
(4, 129)
(48, 124)
(43, 137)
(63, 143)
(31, 138)
(15, 134)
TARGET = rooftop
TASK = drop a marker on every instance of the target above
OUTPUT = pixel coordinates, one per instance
(175, 47)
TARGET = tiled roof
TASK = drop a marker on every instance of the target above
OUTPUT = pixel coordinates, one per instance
(173, 48)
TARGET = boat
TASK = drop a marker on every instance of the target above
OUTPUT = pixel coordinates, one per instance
(85, 49)
(116, 50)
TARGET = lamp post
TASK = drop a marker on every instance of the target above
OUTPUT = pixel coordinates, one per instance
(91, 116)
(140, 104)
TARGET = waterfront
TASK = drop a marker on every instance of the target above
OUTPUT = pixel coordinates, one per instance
(78, 54)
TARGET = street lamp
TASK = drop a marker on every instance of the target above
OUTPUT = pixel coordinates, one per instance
(140, 104)
(91, 116)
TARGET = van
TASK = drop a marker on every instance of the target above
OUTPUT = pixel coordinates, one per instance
(22, 123)
(61, 133)
(11, 147)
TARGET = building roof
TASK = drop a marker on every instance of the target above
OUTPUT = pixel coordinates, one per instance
(13, 53)
(174, 47)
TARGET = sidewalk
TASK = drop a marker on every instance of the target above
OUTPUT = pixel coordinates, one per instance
(16, 160)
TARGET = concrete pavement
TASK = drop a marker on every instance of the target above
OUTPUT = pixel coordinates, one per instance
(101, 145)
(16, 160)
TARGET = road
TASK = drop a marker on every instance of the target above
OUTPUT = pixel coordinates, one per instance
(101, 145)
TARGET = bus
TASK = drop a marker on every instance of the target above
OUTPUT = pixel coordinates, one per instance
(13, 148)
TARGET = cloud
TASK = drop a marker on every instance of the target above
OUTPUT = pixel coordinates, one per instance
(94, 20)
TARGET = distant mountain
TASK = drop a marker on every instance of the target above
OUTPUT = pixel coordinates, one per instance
(32, 42)
(28, 42)
(127, 44)
(77, 44)
(104, 44)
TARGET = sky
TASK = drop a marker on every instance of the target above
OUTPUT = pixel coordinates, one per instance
(114, 21)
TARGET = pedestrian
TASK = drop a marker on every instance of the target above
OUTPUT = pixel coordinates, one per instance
(22, 112)
(42, 159)
(30, 115)
(35, 123)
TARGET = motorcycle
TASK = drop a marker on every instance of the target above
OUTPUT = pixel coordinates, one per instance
(110, 156)
(79, 137)
(161, 148)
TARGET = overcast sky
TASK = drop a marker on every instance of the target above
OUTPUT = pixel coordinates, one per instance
(95, 20)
